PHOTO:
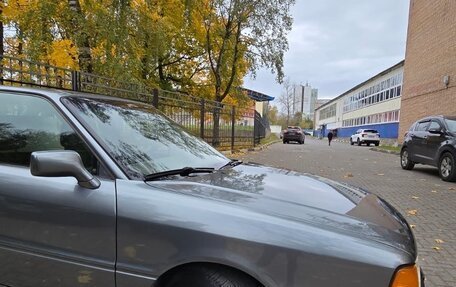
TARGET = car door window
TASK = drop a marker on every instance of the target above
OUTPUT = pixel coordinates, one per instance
(434, 125)
(422, 126)
(30, 123)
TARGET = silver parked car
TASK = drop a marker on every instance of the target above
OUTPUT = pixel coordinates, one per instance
(100, 191)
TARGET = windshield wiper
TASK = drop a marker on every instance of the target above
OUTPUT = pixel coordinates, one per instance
(186, 171)
(232, 163)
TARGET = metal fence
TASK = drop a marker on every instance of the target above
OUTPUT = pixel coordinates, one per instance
(224, 126)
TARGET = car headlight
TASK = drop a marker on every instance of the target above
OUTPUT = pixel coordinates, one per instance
(407, 276)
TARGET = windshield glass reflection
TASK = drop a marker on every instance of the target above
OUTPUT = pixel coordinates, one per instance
(140, 139)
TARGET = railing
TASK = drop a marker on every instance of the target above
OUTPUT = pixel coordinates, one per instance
(21, 72)
(223, 126)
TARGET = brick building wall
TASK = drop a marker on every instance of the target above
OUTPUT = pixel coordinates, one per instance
(430, 56)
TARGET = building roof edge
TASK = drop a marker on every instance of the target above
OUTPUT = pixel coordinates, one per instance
(384, 72)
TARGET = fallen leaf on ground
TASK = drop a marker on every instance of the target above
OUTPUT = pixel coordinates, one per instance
(380, 174)
(434, 191)
(412, 212)
(348, 175)
(412, 225)
(439, 241)
(436, 248)
(451, 188)
(415, 197)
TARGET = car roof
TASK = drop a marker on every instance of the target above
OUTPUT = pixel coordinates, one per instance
(56, 94)
(450, 117)
(50, 93)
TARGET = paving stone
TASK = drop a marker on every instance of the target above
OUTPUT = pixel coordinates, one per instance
(381, 174)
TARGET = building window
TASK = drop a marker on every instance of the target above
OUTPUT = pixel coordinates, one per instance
(328, 112)
(379, 118)
(385, 90)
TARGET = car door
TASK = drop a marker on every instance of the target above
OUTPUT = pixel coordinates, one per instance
(432, 141)
(53, 231)
(354, 137)
(418, 141)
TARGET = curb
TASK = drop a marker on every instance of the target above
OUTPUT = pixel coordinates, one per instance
(262, 147)
(385, 151)
(245, 150)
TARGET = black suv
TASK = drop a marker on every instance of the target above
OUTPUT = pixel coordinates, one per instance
(432, 141)
(293, 134)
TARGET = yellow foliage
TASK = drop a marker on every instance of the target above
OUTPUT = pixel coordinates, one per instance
(161, 43)
(63, 54)
(13, 9)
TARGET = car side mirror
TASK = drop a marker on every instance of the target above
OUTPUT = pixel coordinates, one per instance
(435, 131)
(61, 163)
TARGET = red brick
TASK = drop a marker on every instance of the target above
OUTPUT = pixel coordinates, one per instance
(430, 56)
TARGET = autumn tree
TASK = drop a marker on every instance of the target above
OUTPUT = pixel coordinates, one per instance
(199, 47)
(241, 36)
(1, 28)
(286, 100)
(168, 41)
(273, 115)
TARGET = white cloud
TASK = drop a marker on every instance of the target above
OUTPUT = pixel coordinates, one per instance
(336, 45)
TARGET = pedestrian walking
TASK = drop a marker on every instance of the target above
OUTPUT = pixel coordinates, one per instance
(330, 137)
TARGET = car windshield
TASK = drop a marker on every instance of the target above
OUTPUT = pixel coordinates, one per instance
(141, 139)
(451, 124)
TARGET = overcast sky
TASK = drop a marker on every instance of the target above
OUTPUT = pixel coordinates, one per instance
(335, 45)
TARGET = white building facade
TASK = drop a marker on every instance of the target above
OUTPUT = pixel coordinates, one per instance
(374, 104)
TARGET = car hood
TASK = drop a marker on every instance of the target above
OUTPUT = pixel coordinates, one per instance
(303, 198)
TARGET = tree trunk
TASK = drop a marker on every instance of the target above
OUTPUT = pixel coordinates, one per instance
(216, 128)
(2, 50)
(81, 37)
(216, 118)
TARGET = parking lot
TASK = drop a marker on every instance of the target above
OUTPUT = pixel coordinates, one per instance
(427, 202)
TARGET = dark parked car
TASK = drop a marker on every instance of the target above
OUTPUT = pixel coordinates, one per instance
(293, 134)
(100, 191)
(432, 141)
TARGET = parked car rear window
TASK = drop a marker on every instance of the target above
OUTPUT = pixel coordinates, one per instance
(371, 131)
(451, 124)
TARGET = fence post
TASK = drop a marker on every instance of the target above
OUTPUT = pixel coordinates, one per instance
(255, 128)
(233, 122)
(75, 81)
(1, 64)
(155, 98)
(202, 113)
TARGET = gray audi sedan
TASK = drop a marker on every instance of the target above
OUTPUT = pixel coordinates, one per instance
(101, 191)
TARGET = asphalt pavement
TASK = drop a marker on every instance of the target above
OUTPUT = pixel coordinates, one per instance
(427, 202)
